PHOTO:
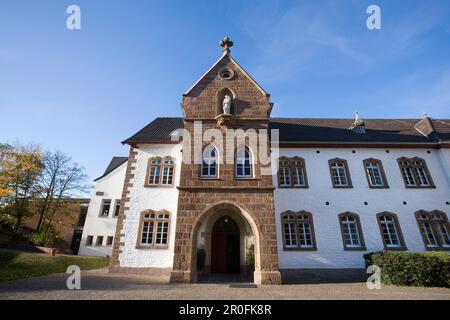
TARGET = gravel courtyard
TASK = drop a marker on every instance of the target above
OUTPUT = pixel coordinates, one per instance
(98, 284)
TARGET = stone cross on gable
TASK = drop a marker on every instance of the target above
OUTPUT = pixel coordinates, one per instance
(226, 43)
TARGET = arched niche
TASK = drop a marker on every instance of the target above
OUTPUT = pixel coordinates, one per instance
(219, 100)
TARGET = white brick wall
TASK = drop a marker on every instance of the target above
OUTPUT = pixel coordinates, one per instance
(142, 198)
(111, 185)
(330, 253)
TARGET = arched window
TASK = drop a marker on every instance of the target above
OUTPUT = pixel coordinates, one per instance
(375, 173)
(391, 232)
(298, 231)
(210, 162)
(351, 230)
(415, 173)
(292, 173)
(160, 172)
(153, 230)
(340, 175)
(244, 163)
(435, 229)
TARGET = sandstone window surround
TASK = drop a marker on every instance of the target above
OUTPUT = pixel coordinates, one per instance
(415, 173)
(210, 163)
(244, 163)
(298, 231)
(435, 229)
(105, 208)
(340, 174)
(375, 174)
(391, 233)
(160, 172)
(153, 230)
(351, 231)
(292, 173)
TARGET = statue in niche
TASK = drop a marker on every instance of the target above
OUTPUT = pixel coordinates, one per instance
(226, 105)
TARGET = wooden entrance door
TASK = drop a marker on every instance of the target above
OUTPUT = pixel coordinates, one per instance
(225, 253)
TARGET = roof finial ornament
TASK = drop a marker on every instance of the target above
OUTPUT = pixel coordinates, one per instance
(226, 43)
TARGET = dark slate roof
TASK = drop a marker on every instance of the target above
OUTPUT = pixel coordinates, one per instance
(318, 130)
(158, 130)
(114, 164)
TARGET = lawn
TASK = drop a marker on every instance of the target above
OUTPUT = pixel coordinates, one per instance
(18, 265)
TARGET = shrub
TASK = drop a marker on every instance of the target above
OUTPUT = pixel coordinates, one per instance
(431, 269)
(47, 238)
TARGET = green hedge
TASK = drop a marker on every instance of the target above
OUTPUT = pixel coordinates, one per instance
(431, 269)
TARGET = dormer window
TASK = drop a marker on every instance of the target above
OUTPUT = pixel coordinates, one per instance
(358, 125)
(359, 130)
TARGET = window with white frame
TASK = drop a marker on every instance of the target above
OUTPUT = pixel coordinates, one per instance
(415, 173)
(340, 176)
(351, 231)
(154, 229)
(244, 163)
(375, 173)
(390, 232)
(292, 173)
(160, 172)
(434, 228)
(298, 230)
(210, 162)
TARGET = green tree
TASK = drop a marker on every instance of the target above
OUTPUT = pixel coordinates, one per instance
(20, 168)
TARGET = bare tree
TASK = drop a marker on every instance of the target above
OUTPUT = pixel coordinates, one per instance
(61, 179)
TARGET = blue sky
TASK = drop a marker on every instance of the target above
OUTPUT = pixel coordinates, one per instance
(84, 91)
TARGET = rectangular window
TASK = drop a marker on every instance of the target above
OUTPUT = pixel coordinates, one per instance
(106, 207)
(351, 237)
(154, 175)
(427, 231)
(89, 240)
(167, 175)
(304, 233)
(109, 240)
(443, 228)
(99, 241)
(117, 208)
(408, 176)
(390, 232)
(423, 179)
(161, 232)
(285, 177)
(298, 177)
(374, 173)
(289, 235)
(147, 233)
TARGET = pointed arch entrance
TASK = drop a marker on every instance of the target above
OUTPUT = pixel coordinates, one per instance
(229, 238)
